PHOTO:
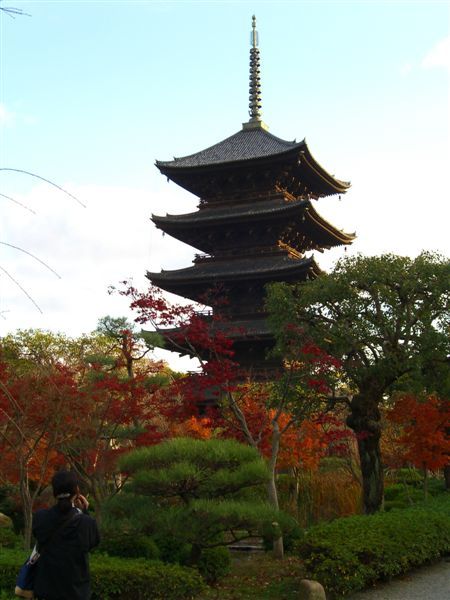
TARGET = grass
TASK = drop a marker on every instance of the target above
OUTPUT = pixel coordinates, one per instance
(259, 577)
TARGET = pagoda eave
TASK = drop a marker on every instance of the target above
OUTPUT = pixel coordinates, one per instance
(206, 286)
(243, 268)
(202, 229)
(254, 332)
(297, 161)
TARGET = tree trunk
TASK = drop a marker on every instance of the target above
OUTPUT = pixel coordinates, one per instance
(99, 498)
(447, 476)
(278, 547)
(365, 420)
(294, 489)
(27, 510)
(194, 555)
(425, 483)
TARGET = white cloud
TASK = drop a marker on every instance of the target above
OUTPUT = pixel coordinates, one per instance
(438, 56)
(6, 117)
(91, 248)
(406, 69)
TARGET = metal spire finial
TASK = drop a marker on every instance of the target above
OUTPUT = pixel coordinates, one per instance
(255, 82)
(255, 85)
(254, 40)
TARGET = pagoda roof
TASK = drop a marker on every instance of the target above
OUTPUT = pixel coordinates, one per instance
(236, 330)
(245, 329)
(205, 273)
(248, 146)
(239, 331)
(232, 212)
(181, 226)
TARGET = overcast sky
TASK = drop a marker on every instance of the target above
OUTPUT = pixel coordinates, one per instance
(91, 93)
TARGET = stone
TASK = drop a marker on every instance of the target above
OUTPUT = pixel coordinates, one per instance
(5, 521)
(310, 590)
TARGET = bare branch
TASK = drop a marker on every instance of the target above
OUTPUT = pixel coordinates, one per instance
(19, 203)
(12, 11)
(46, 181)
(32, 256)
(21, 288)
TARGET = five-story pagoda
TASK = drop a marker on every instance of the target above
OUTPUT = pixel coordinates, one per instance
(254, 224)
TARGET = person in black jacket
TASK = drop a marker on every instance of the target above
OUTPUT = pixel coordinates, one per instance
(65, 534)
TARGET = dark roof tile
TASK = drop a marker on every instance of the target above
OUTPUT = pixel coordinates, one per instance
(238, 268)
(246, 144)
(238, 211)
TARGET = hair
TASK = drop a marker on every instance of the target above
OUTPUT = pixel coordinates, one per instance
(64, 482)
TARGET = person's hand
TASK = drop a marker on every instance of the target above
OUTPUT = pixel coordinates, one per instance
(81, 502)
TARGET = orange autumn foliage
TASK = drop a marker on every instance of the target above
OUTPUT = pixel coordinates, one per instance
(195, 427)
(424, 440)
(302, 446)
(43, 455)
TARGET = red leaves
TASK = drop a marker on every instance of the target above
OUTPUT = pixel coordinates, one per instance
(40, 410)
(151, 307)
(424, 439)
(339, 438)
(249, 411)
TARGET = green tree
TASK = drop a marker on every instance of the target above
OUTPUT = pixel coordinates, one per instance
(72, 400)
(198, 491)
(126, 344)
(39, 348)
(121, 385)
(386, 319)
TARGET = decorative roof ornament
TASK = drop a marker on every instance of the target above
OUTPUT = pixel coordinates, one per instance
(255, 121)
(255, 85)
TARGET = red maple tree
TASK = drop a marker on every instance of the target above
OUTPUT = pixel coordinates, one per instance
(258, 413)
(424, 423)
(40, 411)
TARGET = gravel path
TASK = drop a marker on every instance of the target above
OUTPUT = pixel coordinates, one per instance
(427, 583)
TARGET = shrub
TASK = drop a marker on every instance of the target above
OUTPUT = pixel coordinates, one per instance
(173, 550)
(392, 491)
(194, 492)
(8, 539)
(10, 507)
(354, 552)
(292, 533)
(121, 579)
(402, 495)
(214, 563)
(128, 545)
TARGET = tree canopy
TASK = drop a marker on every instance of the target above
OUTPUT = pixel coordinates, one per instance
(386, 319)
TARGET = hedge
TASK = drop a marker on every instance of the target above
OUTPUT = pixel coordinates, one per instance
(121, 579)
(352, 553)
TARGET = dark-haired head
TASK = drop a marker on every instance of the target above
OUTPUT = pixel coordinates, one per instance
(65, 488)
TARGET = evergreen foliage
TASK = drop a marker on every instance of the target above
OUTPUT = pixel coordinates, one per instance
(352, 553)
(193, 491)
(386, 319)
(116, 579)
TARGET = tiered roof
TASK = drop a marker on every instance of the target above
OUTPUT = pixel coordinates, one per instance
(304, 222)
(194, 282)
(252, 148)
(255, 220)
